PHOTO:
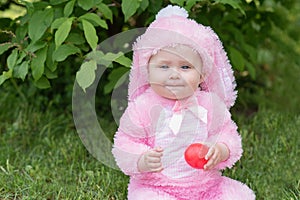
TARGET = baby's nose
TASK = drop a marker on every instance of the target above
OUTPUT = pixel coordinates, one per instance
(174, 74)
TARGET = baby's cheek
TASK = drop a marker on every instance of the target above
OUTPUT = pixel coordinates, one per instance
(193, 81)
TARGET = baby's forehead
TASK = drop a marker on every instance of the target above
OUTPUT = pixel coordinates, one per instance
(183, 51)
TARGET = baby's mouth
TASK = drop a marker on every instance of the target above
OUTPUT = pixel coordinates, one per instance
(174, 85)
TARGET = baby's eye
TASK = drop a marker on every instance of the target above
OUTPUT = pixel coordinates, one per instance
(185, 67)
(164, 66)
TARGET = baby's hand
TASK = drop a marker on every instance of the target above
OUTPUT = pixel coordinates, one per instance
(216, 154)
(151, 161)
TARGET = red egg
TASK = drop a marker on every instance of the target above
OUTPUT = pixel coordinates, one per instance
(194, 155)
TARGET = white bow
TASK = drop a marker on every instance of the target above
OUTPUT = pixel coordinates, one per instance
(176, 119)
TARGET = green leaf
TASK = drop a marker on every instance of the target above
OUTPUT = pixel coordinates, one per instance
(93, 18)
(129, 7)
(57, 2)
(233, 3)
(251, 70)
(20, 71)
(40, 5)
(154, 7)
(39, 23)
(86, 75)
(116, 78)
(58, 22)
(190, 4)
(86, 4)
(62, 52)
(95, 55)
(104, 9)
(112, 56)
(5, 76)
(69, 8)
(12, 59)
(144, 4)
(29, 7)
(63, 31)
(21, 32)
(37, 63)
(4, 47)
(123, 60)
(108, 58)
(2, 79)
(21, 56)
(90, 34)
(42, 83)
(178, 2)
(50, 63)
(34, 46)
(75, 38)
(49, 74)
(237, 59)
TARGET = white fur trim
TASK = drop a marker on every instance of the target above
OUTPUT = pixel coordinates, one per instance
(172, 10)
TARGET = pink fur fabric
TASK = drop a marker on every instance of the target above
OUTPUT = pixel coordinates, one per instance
(138, 132)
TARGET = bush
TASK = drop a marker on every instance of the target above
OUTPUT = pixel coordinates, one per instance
(54, 37)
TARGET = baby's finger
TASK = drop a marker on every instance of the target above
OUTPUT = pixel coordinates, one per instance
(155, 155)
(210, 153)
(158, 149)
(210, 164)
(155, 167)
(154, 159)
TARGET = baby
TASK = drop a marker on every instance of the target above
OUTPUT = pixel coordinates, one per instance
(181, 88)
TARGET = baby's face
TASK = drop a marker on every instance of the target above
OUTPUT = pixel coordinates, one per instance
(175, 72)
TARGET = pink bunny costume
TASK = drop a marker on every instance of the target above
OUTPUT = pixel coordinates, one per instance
(151, 120)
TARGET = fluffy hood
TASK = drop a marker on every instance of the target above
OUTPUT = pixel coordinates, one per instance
(172, 27)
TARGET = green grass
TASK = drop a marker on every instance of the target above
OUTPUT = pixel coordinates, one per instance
(270, 163)
(42, 156)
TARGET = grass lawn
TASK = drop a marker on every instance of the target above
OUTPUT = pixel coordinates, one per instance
(42, 156)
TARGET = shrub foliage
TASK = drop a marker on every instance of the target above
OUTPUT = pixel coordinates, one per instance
(55, 36)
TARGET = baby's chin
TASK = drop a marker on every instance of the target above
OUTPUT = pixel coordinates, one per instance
(176, 96)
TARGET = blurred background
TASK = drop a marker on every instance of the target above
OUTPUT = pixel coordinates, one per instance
(44, 43)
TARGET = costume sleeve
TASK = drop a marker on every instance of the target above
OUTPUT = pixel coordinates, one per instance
(222, 129)
(130, 141)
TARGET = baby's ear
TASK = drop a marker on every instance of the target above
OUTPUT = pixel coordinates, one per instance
(202, 78)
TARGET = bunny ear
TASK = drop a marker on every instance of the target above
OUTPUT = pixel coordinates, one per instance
(171, 11)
